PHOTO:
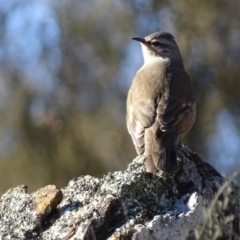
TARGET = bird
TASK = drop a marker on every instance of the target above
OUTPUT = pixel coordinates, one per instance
(160, 103)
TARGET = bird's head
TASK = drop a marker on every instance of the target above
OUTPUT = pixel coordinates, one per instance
(159, 46)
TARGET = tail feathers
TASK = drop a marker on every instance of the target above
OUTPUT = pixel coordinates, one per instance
(165, 158)
(149, 164)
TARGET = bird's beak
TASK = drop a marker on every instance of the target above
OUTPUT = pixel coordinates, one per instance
(141, 40)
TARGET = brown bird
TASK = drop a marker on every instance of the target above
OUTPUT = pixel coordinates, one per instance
(160, 102)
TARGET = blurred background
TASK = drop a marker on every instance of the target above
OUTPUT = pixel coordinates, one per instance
(65, 70)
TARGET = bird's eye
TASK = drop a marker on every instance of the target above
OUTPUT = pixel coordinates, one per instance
(156, 43)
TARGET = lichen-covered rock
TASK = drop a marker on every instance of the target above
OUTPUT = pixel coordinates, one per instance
(18, 220)
(135, 204)
(21, 214)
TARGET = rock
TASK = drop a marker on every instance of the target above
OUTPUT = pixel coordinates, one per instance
(46, 200)
(196, 202)
(18, 220)
(21, 214)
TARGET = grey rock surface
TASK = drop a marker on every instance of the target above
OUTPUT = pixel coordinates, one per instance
(130, 204)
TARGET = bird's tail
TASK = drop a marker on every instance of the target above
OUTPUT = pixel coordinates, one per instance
(164, 153)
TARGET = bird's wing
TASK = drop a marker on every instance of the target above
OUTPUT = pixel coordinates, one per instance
(170, 112)
(140, 116)
(175, 100)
